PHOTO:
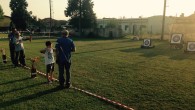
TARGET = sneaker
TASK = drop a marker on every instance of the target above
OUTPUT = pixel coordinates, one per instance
(50, 82)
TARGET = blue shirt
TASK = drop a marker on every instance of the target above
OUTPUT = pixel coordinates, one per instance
(64, 46)
(11, 38)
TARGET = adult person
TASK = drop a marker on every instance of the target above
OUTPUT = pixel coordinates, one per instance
(19, 49)
(64, 47)
(11, 37)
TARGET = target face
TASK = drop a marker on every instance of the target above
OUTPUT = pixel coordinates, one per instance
(176, 38)
(147, 42)
(191, 46)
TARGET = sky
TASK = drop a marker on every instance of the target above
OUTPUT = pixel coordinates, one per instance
(110, 8)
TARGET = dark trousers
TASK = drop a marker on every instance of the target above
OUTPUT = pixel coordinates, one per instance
(21, 57)
(63, 66)
(12, 53)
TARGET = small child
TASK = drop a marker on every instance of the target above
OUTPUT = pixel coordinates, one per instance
(49, 61)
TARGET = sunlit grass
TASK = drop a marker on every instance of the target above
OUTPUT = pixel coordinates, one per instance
(3, 35)
(152, 79)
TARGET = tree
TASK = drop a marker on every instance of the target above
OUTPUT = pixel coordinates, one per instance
(88, 17)
(1, 12)
(19, 14)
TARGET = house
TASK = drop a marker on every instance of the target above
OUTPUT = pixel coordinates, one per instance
(131, 26)
(111, 27)
(4, 23)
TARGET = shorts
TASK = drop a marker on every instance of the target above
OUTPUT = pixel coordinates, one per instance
(50, 68)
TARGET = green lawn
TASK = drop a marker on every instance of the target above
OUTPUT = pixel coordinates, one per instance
(3, 35)
(144, 79)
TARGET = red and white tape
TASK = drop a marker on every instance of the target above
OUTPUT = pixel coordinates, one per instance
(105, 99)
(91, 94)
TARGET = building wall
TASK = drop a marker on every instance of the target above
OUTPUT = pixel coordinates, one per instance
(155, 24)
(150, 25)
(122, 26)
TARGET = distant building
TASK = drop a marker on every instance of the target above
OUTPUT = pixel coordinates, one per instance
(132, 26)
(4, 23)
(56, 25)
(112, 27)
(154, 25)
(184, 25)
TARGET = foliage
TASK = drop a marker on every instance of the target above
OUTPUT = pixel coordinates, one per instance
(88, 17)
(34, 23)
(58, 24)
(19, 14)
(1, 12)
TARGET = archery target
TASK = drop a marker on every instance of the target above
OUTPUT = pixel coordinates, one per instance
(176, 38)
(147, 42)
(191, 46)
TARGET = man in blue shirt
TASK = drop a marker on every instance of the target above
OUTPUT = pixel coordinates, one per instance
(11, 37)
(64, 47)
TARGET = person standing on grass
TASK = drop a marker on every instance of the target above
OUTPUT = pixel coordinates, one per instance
(19, 49)
(49, 61)
(11, 37)
(64, 47)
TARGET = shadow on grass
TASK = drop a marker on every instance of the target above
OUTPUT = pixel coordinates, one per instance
(89, 39)
(5, 66)
(9, 82)
(101, 50)
(17, 89)
(145, 52)
(29, 97)
(160, 50)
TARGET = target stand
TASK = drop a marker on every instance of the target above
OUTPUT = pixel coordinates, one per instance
(190, 47)
(147, 44)
(33, 67)
(176, 41)
(135, 38)
(4, 58)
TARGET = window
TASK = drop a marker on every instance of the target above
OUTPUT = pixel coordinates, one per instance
(126, 27)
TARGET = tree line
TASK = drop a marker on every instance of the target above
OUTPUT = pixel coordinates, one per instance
(22, 19)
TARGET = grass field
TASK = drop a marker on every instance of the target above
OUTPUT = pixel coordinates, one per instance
(3, 35)
(144, 79)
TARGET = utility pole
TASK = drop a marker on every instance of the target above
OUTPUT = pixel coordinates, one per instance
(50, 17)
(163, 21)
(80, 17)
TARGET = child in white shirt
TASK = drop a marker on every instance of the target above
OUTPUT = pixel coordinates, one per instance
(49, 60)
